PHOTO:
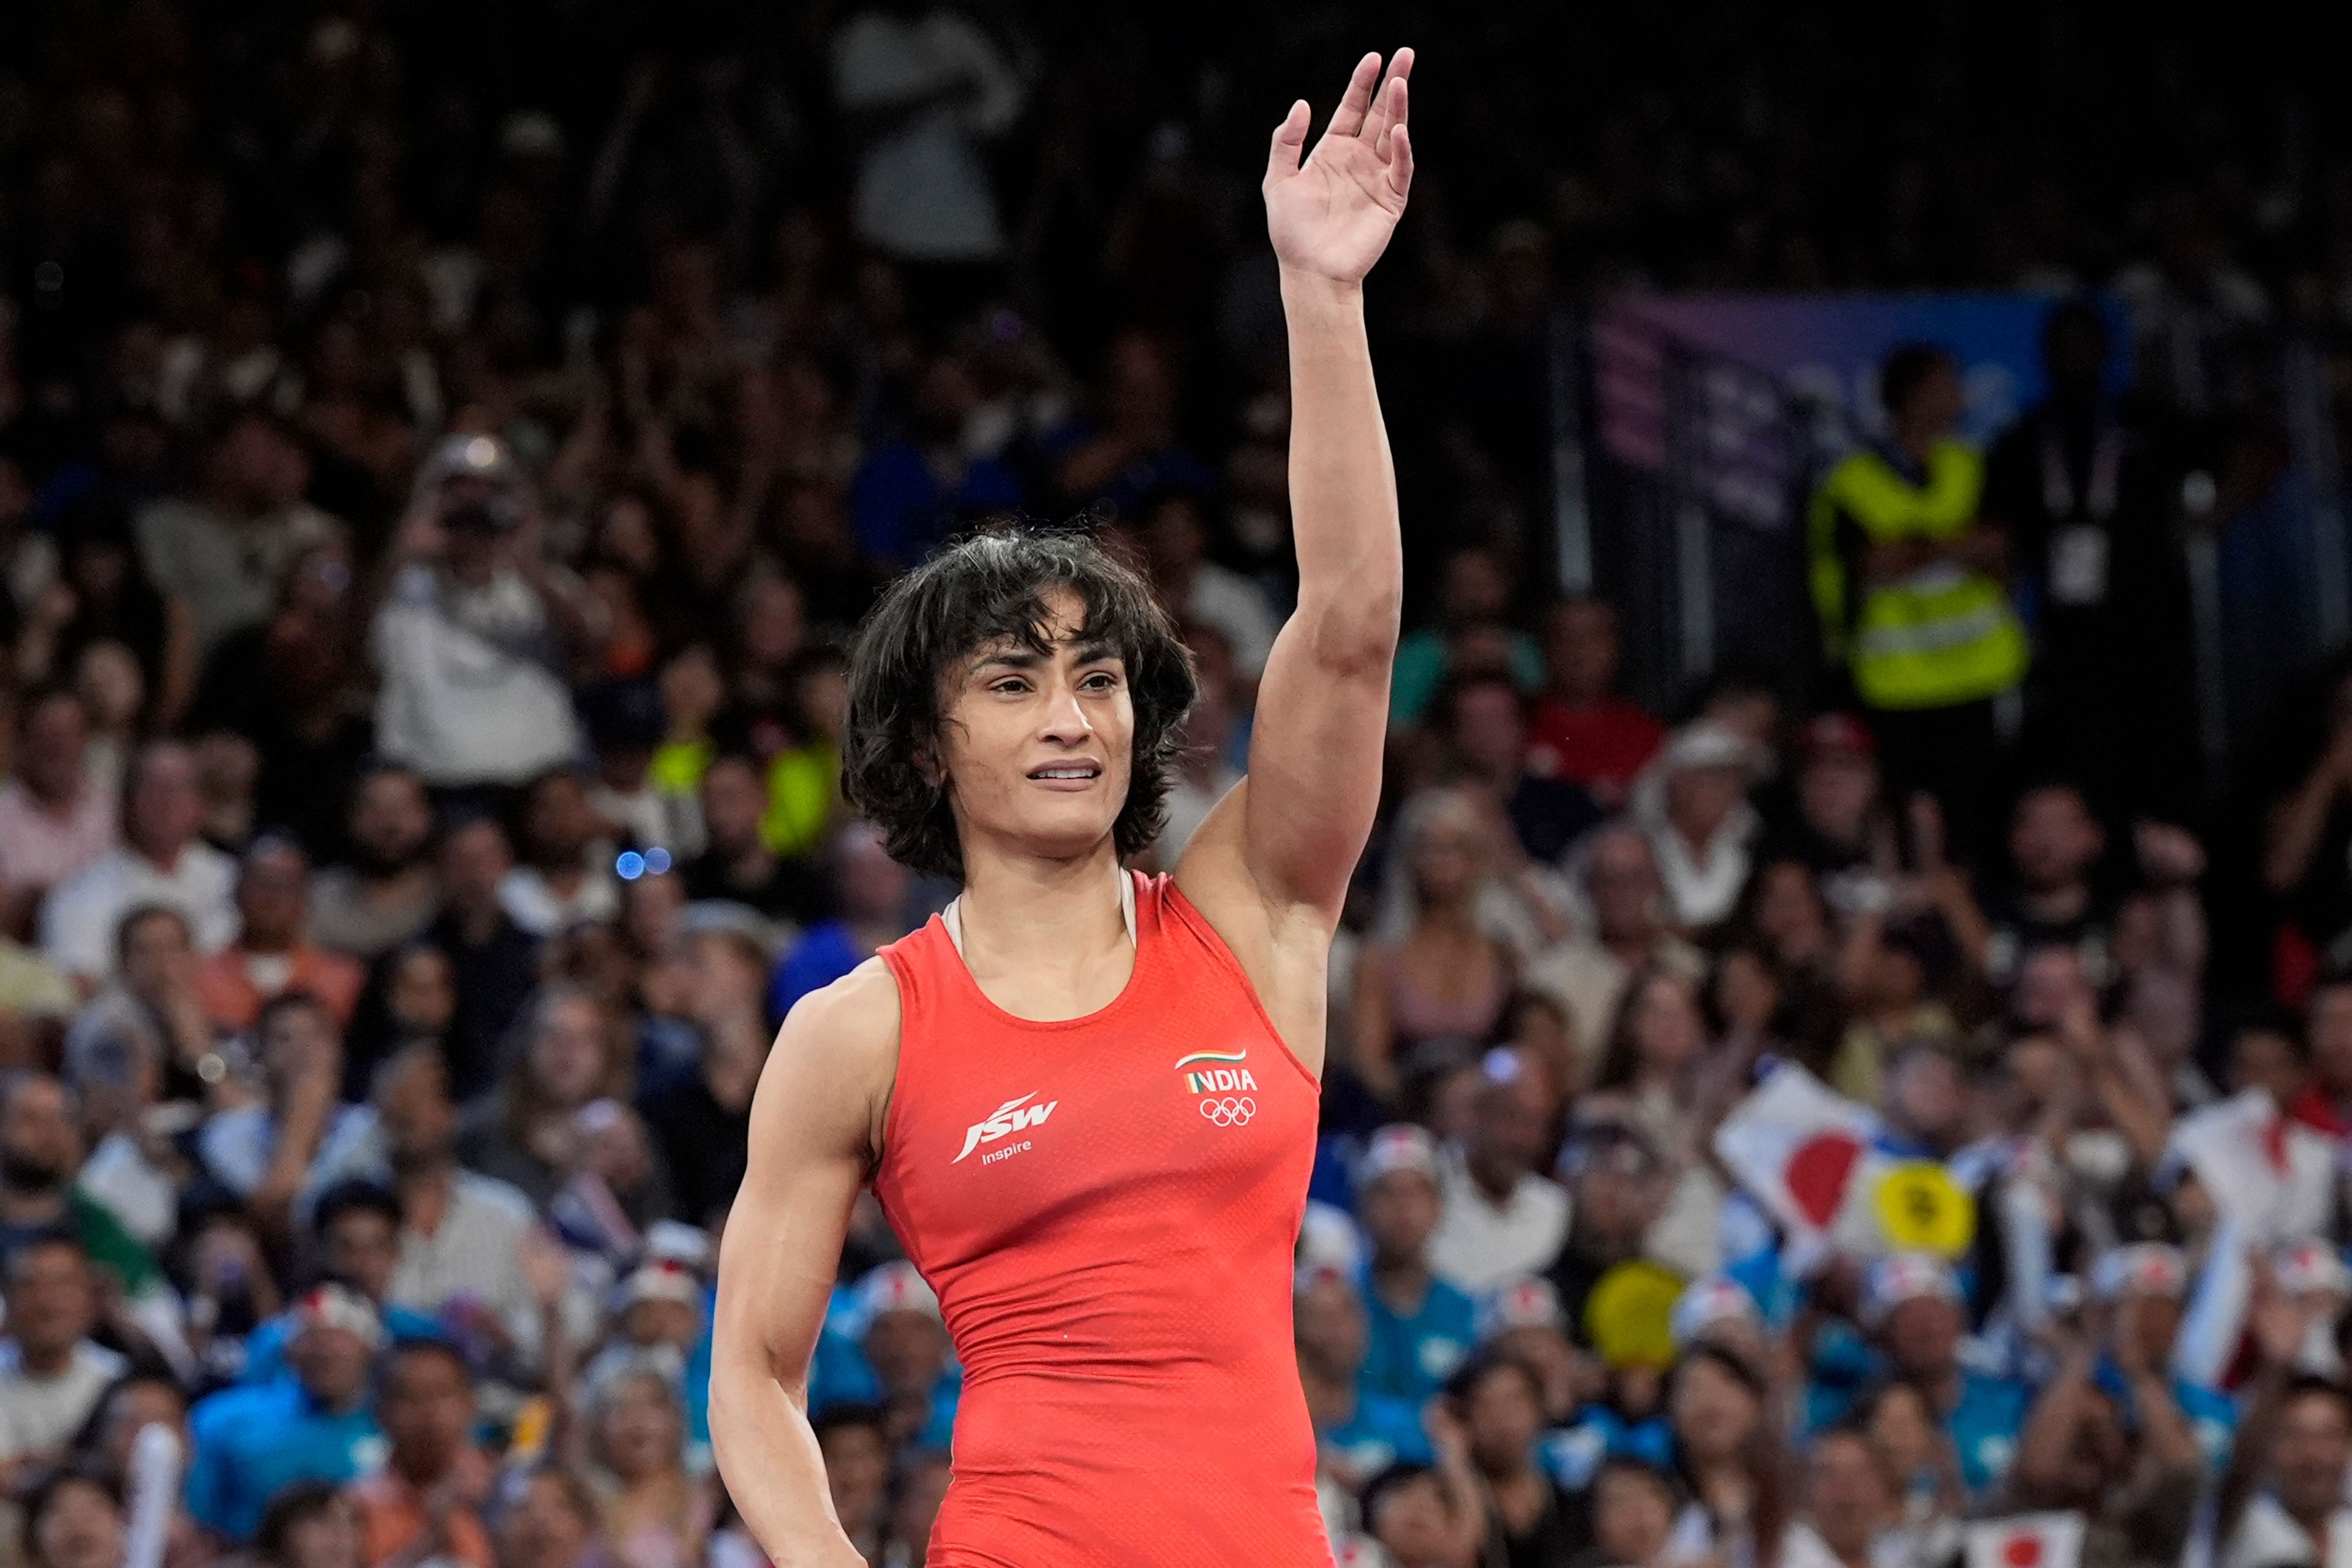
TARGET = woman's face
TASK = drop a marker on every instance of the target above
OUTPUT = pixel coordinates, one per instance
(567, 1052)
(1039, 751)
(1449, 853)
(1631, 1515)
(81, 1528)
(1502, 1417)
(1668, 1033)
(1900, 1427)
(327, 1538)
(542, 1528)
(1713, 1412)
(1789, 910)
(1745, 990)
(640, 1430)
(1412, 1522)
(423, 995)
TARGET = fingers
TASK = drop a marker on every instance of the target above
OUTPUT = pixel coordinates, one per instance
(1387, 106)
(1349, 118)
(1400, 161)
(1289, 141)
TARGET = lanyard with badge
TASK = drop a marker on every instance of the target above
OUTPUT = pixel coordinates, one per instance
(2078, 547)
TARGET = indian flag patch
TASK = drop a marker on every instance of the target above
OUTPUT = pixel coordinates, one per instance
(1213, 1079)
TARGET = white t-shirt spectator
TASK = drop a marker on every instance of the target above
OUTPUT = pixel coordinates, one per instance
(38, 851)
(228, 570)
(922, 191)
(473, 685)
(41, 1414)
(1224, 599)
(78, 923)
(1479, 1245)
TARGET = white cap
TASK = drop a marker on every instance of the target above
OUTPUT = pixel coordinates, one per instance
(2144, 1269)
(1529, 1303)
(896, 1287)
(1328, 1235)
(1400, 1146)
(1717, 1298)
(1906, 1277)
(2307, 1265)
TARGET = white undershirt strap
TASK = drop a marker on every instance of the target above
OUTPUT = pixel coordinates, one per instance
(952, 916)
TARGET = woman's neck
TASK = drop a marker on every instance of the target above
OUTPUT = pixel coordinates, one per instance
(1059, 918)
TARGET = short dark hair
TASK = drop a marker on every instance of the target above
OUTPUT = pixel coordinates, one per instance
(138, 915)
(1906, 369)
(843, 1413)
(295, 1502)
(987, 587)
(355, 1194)
(84, 1472)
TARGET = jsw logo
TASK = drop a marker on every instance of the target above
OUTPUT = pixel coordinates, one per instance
(1008, 1118)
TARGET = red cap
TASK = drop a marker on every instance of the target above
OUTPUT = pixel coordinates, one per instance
(1826, 732)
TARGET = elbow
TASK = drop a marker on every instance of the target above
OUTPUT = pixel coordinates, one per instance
(1354, 633)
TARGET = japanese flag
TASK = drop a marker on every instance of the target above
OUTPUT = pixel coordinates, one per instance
(2026, 1540)
(1798, 1147)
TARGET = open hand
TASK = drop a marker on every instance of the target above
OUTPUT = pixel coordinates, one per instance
(1331, 215)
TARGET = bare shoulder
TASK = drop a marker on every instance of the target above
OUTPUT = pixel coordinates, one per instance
(835, 1059)
(1283, 947)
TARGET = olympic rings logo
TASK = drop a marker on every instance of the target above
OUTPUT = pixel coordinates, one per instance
(1229, 1112)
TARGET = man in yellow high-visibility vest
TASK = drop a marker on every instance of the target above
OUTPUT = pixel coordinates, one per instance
(1909, 583)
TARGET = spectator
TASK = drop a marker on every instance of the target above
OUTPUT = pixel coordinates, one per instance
(434, 1482)
(856, 1448)
(1436, 994)
(225, 553)
(1617, 1189)
(354, 1225)
(462, 1235)
(51, 1375)
(911, 493)
(654, 1513)
(1907, 580)
(1418, 1326)
(1500, 1219)
(385, 894)
(1172, 539)
(494, 960)
(73, 1519)
(1911, 1306)
(161, 861)
(265, 1151)
(309, 1524)
(1632, 929)
(251, 1443)
(1205, 772)
(411, 999)
(1848, 1504)
(1693, 804)
(475, 632)
(1358, 1431)
(40, 1154)
(736, 863)
(1473, 596)
(904, 1342)
(875, 893)
(566, 876)
(1484, 718)
(526, 1132)
(1839, 822)
(2054, 843)
(701, 1121)
(1498, 1401)
(1129, 449)
(550, 1518)
(1580, 732)
(271, 957)
(55, 820)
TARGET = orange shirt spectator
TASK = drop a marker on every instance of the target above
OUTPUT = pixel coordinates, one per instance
(271, 956)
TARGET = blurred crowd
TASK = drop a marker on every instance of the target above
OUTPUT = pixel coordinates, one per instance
(444, 451)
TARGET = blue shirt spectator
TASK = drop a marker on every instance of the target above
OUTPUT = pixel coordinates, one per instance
(1409, 1357)
(251, 1442)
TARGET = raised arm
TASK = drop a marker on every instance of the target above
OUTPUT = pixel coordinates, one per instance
(1292, 831)
(815, 1124)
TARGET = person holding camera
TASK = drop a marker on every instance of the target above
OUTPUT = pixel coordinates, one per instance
(478, 632)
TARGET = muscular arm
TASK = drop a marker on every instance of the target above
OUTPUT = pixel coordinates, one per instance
(814, 1129)
(1271, 864)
